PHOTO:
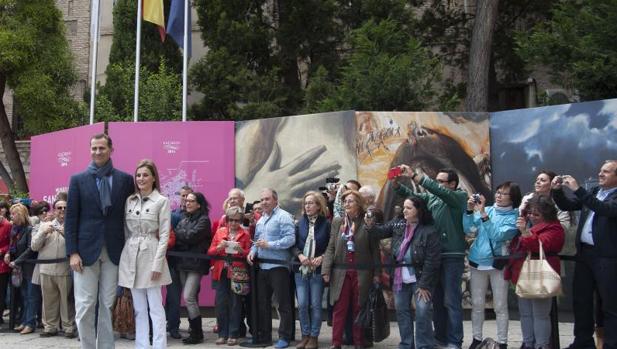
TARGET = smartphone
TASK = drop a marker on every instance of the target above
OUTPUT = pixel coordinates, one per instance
(394, 172)
(248, 208)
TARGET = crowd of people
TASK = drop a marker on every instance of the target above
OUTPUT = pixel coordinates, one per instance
(119, 231)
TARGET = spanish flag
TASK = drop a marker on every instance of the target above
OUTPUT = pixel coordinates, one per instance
(153, 12)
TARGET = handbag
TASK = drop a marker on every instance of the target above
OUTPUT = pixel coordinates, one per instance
(500, 262)
(123, 315)
(537, 278)
(240, 281)
(373, 315)
(16, 277)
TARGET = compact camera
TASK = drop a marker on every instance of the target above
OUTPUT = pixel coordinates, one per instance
(476, 198)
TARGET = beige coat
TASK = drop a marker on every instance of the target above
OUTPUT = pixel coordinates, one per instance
(146, 230)
(50, 246)
(367, 253)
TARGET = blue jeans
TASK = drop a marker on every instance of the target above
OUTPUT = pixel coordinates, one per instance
(309, 290)
(172, 300)
(448, 302)
(228, 308)
(424, 316)
(31, 298)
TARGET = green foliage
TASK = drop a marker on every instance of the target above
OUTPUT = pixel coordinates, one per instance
(387, 69)
(578, 44)
(36, 61)
(160, 96)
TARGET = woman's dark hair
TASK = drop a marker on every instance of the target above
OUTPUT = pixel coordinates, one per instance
(5, 205)
(40, 207)
(204, 206)
(515, 192)
(549, 173)
(545, 207)
(424, 215)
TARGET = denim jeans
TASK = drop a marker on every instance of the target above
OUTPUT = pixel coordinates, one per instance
(448, 302)
(424, 316)
(309, 292)
(536, 321)
(228, 308)
(172, 300)
(31, 298)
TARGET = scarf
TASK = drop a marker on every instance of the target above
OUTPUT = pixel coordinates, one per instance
(104, 189)
(309, 248)
(398, 272)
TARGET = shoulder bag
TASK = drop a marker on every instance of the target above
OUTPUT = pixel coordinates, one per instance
(537, 278)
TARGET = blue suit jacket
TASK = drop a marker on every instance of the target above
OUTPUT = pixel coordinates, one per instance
(85, 227)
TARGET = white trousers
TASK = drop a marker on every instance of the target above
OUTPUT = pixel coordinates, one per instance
(100, 278)
(144, 298)
(479, 284)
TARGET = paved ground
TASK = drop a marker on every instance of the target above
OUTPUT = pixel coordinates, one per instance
(33, 341)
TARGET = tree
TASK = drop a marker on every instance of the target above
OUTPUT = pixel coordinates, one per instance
(387, 69)
(480, 55)
(36, 63)
(578, 45)
(160, 61)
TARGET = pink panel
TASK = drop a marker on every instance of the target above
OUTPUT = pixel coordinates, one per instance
(56, 156)
(198, 153)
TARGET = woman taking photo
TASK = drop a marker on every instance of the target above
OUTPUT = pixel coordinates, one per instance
(534, 313)
(414, 241)
(193, 234)
(230, 239)
(21, 237)
(494, 226)
(143, 266)
(312, 237)
(350, 243)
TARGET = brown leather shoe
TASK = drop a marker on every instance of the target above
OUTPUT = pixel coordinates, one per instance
(302, 343)
(312, 343)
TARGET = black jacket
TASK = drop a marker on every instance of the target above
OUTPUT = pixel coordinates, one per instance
(426, 253)
(604, 225)
(23, 252)
(194, 235)
(322, 236)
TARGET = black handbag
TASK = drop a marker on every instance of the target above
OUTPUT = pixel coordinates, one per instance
(374, 314)
(499, 262)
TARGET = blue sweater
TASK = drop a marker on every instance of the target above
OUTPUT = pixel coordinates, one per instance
(499, 228)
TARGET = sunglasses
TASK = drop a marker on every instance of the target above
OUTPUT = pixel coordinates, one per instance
(62, 208)
(232, 220)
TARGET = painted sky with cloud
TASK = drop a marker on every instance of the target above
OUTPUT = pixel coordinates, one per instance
(569, 138)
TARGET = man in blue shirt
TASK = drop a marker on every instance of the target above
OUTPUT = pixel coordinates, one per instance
(274, 236)
(596, 252)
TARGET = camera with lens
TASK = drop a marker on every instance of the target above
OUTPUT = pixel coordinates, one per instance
(476, 198)
(332, 183)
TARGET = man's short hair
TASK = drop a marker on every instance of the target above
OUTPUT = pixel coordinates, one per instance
(614, 162)
(452, 175)
(275, 195)
(238, 190)
(104, 136)
(186, 187)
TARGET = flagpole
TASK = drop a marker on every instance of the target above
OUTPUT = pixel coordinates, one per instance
(185, 58)
(137, 58)
(94, 26)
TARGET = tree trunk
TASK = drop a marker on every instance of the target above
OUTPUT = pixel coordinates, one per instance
(18, 180)
(288, 54)
(480, 55)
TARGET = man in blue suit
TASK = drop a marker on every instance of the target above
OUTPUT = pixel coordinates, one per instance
(94, 232)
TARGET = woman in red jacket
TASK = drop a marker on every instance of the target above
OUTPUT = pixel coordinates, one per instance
(545, 228)
(232, 240)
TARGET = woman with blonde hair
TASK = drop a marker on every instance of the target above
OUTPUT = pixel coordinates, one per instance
(312, 237)
(143, 266)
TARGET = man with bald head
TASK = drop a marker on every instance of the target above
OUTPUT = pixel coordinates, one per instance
(596, 252)
(274, 236)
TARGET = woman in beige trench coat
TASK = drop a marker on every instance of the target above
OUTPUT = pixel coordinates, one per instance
(143, 266)
(350, 243)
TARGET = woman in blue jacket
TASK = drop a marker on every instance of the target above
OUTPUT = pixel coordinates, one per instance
(494, 226)
(312, 237)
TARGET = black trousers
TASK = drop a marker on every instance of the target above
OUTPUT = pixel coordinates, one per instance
(273, 281)
(592, 272)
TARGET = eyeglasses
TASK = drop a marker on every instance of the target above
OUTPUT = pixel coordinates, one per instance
(501, 193)
(346, 202)
(441, 181)
(232, 220)
(190, 200)
(61, 208)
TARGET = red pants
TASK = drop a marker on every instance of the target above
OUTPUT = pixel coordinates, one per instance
(350, 296)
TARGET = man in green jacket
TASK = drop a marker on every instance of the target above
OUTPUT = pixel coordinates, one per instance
(447, 204)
